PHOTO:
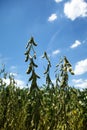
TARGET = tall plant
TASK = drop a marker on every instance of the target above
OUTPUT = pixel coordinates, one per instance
(31, 56)
(62, 69)
(47, 71)
(32, 114)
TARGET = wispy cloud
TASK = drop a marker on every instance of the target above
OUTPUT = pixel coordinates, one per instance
(13, 67)
(75, 8)
(56, 52)
(58, 1)
(53, 17)
(75, 44)
(80, 83)
(3, 60)
(81, 67)
(84, 41)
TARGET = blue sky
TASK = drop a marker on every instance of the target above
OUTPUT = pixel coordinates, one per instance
(58, 26)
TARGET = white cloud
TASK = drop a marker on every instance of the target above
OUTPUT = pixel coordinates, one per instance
(19, 82)
(52, 18)
(57, 1)
(80, 83)
(75, 44)
(75, 8)
(14, 74)
(55, 52)
(81, 67)
(7, 81)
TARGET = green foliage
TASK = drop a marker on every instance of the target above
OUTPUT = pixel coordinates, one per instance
(51, 107)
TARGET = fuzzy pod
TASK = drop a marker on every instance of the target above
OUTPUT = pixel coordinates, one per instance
(27, 57)
(27, 52)
(34, 64)
(29, 70)
(35, 44)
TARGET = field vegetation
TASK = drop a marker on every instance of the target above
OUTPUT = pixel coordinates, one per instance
(49, 107)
